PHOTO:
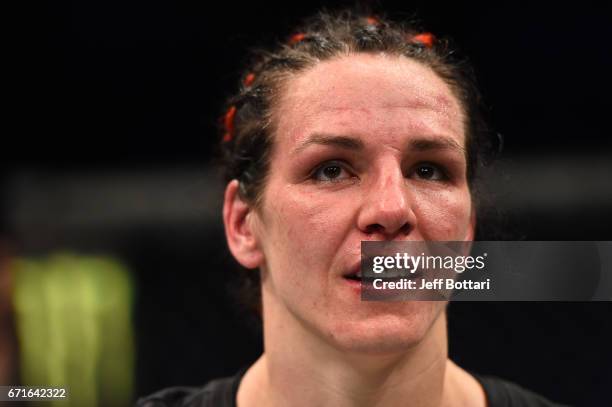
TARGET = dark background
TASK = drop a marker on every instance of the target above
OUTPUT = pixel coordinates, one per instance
(128, 94)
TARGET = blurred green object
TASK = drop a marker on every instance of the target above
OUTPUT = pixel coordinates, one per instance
(74, 327)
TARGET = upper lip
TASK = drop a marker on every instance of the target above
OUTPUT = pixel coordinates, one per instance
(354, 270)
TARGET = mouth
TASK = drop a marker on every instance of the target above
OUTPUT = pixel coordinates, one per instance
(353, 277)
(354, 274)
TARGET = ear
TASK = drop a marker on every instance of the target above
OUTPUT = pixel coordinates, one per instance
(238, 222)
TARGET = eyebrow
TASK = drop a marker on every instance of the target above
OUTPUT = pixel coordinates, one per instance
(438, 143)
(344, 142)
(356, 144)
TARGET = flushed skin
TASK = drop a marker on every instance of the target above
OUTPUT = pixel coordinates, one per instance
(366, 147)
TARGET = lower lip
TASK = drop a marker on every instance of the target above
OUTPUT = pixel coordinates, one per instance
(357, 285)
(353, 283)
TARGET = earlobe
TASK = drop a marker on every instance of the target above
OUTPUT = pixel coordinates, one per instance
(241, 239)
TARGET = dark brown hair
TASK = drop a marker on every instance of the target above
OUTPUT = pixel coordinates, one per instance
(248, 129)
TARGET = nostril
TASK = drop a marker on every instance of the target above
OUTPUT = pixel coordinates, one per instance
(405, 229)
(377, 228)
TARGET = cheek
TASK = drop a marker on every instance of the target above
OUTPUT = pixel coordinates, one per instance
(444, 215)
(305, 227)
(300, 219)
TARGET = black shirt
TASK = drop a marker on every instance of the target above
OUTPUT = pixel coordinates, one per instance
(222, 393)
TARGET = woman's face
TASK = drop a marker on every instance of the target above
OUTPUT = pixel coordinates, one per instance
(367, 147)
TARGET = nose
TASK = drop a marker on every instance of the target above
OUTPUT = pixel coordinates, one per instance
(387, 208)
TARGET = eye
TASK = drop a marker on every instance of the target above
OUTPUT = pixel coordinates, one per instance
(431, 172)
(331, 171)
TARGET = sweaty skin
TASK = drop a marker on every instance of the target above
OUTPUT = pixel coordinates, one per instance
(367, 147)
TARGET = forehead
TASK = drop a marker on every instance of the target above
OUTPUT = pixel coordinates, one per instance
(368, 93)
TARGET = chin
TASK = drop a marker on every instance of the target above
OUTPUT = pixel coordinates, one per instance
(387, 329)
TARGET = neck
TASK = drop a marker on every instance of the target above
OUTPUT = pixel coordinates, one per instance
(300, 368)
